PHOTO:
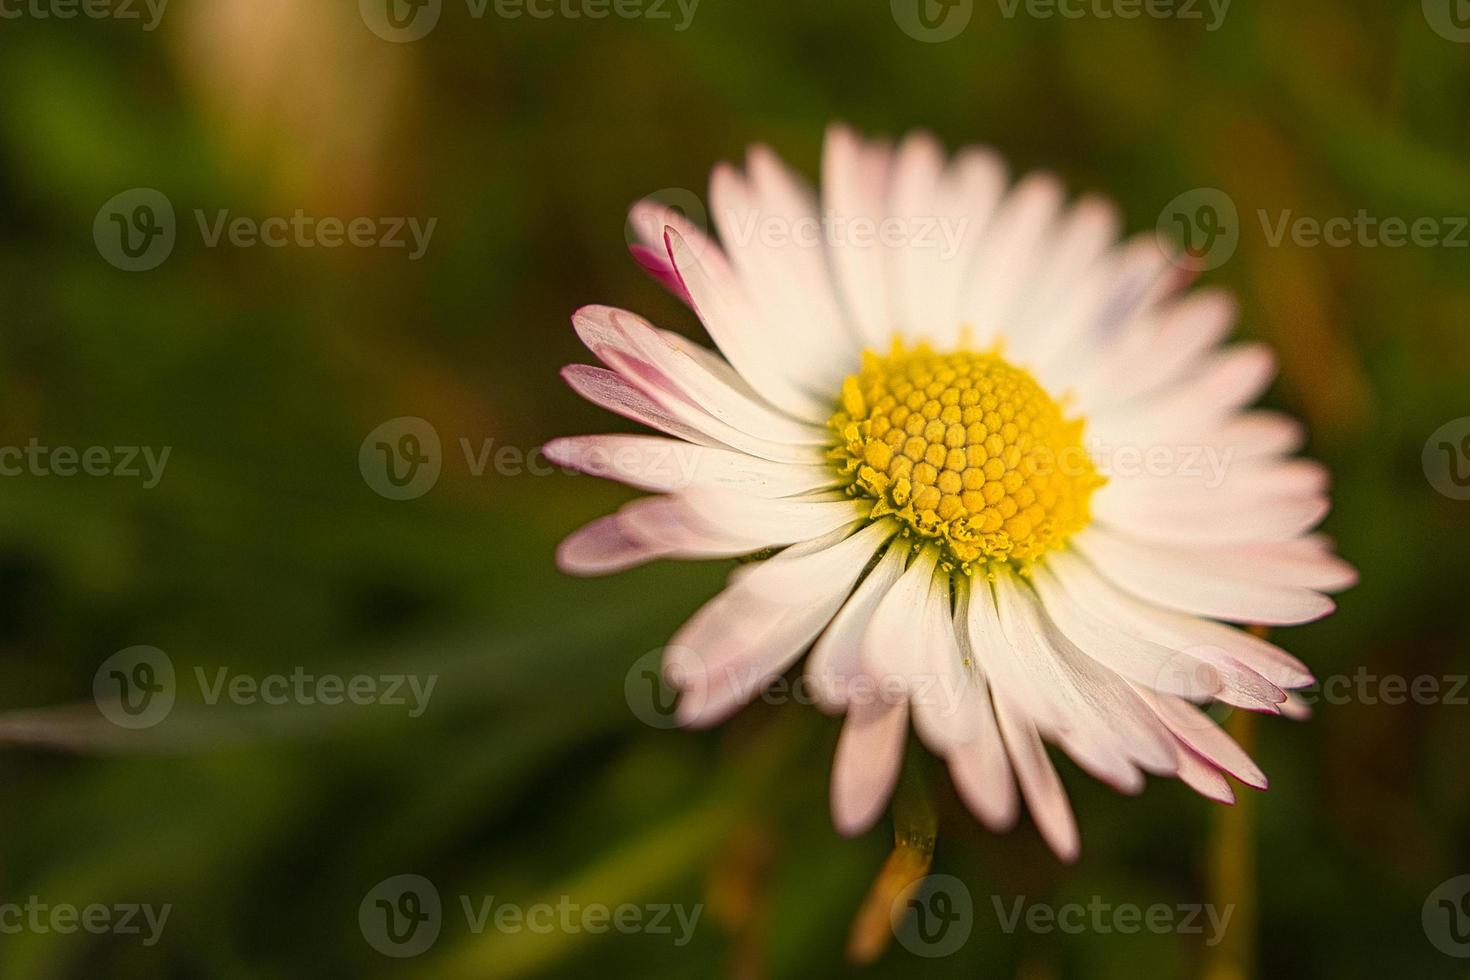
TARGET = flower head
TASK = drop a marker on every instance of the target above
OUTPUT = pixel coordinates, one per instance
(1009, 475)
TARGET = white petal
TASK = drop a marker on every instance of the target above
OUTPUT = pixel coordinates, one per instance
(608, 390)
(736, 643)
(835, 661)
(1188, 478)
(661, 390)
(601, 548)
(1254, 434)
(1159, 349)
(980, 769)
(1111, 644)
(1175, 580)
(804, 573)
(1195, 729)
(1187, 523)
(968, 196)
(982, 776)
(1285, 563)
(649, 220)
(771, 231)
(1098, 310)
(1078, 244)
(1040, 784)
(1120, 729)
(987, 646)
(1082, 731)
(1295, 707)
(1178, 631)
(714, 523)
(739, 331)
(1227, 380)
(663, 358)
(866, 768)
(945, 697)
(912, 266)
(892, 645)
(1008, 255)
(854, 183)
(669, 465)
(1197, 773)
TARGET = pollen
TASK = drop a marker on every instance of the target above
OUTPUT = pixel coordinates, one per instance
(967, 451)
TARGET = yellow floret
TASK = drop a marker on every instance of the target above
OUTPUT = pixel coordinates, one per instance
(966, 450)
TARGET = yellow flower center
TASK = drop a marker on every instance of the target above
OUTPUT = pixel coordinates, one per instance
(967, 451)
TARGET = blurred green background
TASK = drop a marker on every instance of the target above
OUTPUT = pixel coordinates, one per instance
(263, 549)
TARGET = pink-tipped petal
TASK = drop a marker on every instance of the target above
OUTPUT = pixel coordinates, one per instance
(866, 767)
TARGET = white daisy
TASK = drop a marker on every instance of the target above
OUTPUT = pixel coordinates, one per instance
(1009, 468)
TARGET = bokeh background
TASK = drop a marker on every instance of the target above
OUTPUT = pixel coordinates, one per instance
(264, 549)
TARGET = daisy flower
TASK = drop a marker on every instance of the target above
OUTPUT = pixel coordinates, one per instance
(997, 469)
